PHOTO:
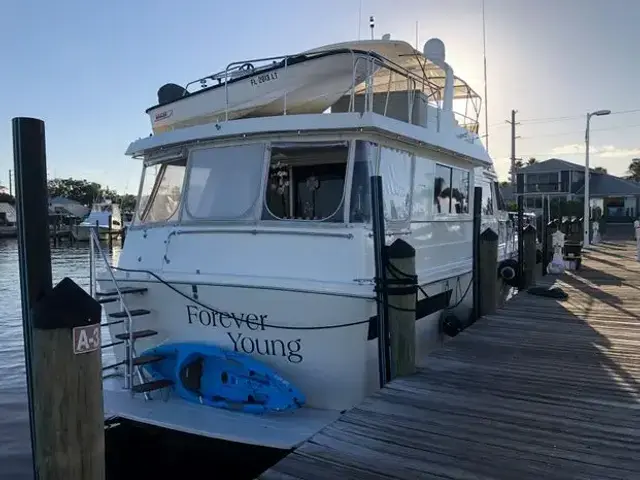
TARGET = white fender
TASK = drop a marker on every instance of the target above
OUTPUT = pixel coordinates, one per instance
(556, 266)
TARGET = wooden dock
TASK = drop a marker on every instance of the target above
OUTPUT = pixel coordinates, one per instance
(543, 389)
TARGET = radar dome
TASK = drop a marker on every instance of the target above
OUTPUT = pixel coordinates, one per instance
(386, 36)
(434, 50)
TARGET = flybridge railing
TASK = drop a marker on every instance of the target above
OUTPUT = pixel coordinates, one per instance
(374, 80)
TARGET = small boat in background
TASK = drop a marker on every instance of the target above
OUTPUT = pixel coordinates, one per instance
(106, 215)
(298, 84)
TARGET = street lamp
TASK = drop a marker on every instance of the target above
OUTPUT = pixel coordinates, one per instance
(587, 208)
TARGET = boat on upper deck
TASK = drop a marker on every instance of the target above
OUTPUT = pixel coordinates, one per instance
(332, 78)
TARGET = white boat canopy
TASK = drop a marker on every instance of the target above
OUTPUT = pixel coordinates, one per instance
(405, 56)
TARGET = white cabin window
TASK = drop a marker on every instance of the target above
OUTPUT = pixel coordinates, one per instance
(423, 186)
(396, 170)
(161, 192)
(487, 198)
(224, 182)
(306, 181)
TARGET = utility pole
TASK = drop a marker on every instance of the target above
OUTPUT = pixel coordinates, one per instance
(513, 146)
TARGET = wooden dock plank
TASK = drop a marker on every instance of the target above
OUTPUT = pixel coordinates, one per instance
(541, 389)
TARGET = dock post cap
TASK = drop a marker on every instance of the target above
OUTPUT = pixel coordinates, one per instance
(489, 234)
(67, 305)
(400, 249)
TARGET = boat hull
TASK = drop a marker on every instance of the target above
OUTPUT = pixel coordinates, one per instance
(310, 86)
(81, 233)
(324, 344)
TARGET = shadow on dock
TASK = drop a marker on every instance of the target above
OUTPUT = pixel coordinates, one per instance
(544, 388)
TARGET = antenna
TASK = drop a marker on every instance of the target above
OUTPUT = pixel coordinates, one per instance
(486, 103)
(417, 44)
(359, 19)
(372, 25)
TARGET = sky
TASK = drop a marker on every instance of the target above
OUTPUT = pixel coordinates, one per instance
(90, 69)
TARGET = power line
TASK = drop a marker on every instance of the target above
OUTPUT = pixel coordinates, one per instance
(542, 120)
(573, 132)
(572, 117)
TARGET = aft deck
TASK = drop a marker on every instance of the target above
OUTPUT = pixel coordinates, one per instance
(284, 430)
(544, 388)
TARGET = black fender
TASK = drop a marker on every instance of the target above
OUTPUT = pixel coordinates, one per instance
(509, 272)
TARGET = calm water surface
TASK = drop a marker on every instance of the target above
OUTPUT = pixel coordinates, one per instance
(67, 261)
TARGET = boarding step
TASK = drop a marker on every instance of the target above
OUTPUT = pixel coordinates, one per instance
(151, 386)
(123, 291)
(138, 361)
(107, 300)
(138, 312)
(136, 335)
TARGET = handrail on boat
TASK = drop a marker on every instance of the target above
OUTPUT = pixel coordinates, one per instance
(94, 243)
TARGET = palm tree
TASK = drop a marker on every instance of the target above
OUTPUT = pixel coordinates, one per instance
(634, 170)
(600, 170)
(531, 161)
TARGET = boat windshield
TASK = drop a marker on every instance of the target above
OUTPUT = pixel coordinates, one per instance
(224, 182)
(161, 191)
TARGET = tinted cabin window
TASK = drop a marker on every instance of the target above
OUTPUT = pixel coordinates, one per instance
(306, 182)
(442, 190)
(460, 191)
(360, 192)
(423, 185)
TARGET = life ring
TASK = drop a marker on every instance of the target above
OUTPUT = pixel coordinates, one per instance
(508, 271)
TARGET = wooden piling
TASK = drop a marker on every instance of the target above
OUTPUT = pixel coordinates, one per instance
(402, 291)
(62, 333)
(488, 271)
(529, 256)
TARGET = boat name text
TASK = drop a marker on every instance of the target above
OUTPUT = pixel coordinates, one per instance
(241, 341)
(209, 318)
(262, 346)
(265, 77)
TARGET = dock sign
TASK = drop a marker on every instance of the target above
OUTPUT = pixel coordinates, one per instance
(86, 339)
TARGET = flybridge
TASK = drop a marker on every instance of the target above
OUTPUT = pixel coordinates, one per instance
(385, 76)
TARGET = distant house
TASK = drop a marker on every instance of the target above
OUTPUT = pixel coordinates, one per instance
(68, 207)
(7, 214)
(618, 198)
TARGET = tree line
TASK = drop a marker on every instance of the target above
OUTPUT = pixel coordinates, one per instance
(83, 192)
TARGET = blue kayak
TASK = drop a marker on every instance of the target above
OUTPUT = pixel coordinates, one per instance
(207, 374)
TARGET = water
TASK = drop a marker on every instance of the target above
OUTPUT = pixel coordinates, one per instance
(172, 453)
(67, 261)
